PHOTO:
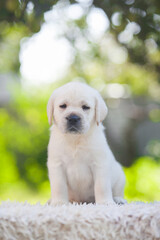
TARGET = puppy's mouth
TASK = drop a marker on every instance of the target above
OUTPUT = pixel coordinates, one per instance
(73, 130)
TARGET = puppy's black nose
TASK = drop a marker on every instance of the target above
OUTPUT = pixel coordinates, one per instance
(73, 119)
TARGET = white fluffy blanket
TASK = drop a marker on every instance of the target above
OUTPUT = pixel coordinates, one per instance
(90, 222)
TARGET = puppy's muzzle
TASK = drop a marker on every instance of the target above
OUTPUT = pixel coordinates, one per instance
(73, 123)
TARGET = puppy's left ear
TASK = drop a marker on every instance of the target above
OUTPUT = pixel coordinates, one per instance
(50, 109)
(101, 109)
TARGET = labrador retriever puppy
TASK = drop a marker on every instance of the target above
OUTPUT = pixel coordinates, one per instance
(80, 163)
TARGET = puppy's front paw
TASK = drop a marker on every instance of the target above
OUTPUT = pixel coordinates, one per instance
(119, 200)
(57, 202)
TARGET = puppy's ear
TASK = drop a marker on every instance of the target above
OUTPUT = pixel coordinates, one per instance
(50, 109)
(101, 109)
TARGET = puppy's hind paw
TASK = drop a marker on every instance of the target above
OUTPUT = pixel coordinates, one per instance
(119, 200)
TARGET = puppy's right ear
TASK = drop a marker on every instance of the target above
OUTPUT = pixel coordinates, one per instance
(50, 109)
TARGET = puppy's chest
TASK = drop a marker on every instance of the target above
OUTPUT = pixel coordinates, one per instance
(78, 169)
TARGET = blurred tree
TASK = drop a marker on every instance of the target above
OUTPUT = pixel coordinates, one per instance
(135, 24)
(17, 20)
(28, 12)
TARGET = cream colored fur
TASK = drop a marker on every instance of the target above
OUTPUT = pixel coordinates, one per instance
(81, 165)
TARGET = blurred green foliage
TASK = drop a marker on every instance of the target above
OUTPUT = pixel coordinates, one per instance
(18, 19)
(24, 137)
(27, 12)
(143, 180)
(10, 37)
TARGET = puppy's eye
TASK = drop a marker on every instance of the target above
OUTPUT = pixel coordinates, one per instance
(63, 106)
(85, 107)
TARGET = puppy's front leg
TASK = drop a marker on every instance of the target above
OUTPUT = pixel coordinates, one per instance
(102, 186)
(59, 190)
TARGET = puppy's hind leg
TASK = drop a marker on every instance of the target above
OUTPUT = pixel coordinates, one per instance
(118, 193)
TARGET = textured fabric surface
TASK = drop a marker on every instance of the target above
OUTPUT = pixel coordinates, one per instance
(91, 222)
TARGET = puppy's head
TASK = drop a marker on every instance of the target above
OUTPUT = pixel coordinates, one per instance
(75, 108)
